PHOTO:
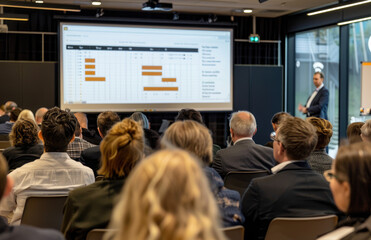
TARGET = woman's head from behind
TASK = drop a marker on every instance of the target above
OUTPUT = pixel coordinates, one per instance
(351, 178)
(192, 137)
(167, 197)
(26, 114)
(121, 149)
(354, 132)
(24, 133)
(323, 129)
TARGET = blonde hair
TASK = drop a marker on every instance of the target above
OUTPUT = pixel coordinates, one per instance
(191, 136)
(27, 114)
(323, 130)
(166, 197)
(121, 149)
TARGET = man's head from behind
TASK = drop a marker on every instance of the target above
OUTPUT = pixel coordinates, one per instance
(295, 140)
(6, 183)
(40, 114)
(242, 124)
(105, 121)
(366, 131)
(57, 130)
(9, 106)
(82, 118)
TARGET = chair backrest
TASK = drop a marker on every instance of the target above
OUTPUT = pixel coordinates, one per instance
(300, 228)
(4, 144)
(234, 233)
(97, 234)
(240, 180)
(44, 211)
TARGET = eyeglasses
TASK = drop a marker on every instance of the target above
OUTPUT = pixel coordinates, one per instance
(330, 175)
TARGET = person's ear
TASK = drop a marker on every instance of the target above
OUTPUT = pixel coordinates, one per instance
(100, 133)
(346, 187)
(9, 186)
(73, 138)
(39, 134)
(231, 131)
(256, 130)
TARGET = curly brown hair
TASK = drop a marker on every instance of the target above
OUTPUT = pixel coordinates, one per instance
(24, 133)
(323, 130)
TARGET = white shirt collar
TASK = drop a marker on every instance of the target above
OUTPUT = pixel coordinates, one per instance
(280, 166)
(319, 88)
(241, 139)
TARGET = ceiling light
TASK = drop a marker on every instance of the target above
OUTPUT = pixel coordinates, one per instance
(45, 6)
(39, 1)
(247, 10)
(354, 21)
(14, 17)
(338, 7)
(96, 3)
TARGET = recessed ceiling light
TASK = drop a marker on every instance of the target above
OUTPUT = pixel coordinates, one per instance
(247, 10)
(96, 3)
(39, 1)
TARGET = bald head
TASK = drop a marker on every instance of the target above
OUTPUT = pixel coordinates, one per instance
(83, 120)
(40, 114)
(243, 124)
(9, 106)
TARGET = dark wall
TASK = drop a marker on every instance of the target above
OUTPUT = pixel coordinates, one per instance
(259, 89)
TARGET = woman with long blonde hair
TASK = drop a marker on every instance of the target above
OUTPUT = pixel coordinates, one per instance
(166, 197)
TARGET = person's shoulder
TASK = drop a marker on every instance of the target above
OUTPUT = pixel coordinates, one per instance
(91, 151)
(28, 232)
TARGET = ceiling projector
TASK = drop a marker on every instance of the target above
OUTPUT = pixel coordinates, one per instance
(154, 5)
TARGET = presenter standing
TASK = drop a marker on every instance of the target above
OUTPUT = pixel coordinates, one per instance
(317, 103)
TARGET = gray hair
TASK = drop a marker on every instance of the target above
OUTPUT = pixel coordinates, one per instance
(366, 130)
(243, 123)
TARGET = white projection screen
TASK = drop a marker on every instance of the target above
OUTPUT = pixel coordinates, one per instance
(128, 68)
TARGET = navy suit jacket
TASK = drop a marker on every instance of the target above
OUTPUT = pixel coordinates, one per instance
(245, 155)
(91, 158)
(319, 105)
(294, 191)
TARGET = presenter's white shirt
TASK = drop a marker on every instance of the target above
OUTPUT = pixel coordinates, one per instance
(314, 94)
(55, 173)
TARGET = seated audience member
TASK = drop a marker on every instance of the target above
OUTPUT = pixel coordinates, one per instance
(350, 183)
(91, 156)
(19, 232)
(244, 155)
(88, 135)
(2, 110)
(8, 107)
(55, 173)
(26, 114)
(276, 120)
(78, 145)
(25, 147)
(151, 137)
(39, 115)
(319, 160)
(91, 206)
(195, 138)
(366, 131)
(192, 114)
(354, 132)
(166, 197)
(294, 189)
(6, 127)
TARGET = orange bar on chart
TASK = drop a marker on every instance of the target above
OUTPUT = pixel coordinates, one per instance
(90, 60)
(160, 88)
(366, 63)
(89, 66)
(151, 73)
(151, 67)
(95, 79)
(168, 80)
(89, 72)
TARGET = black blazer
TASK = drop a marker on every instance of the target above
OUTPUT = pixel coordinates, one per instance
(91, 158)
(319, 105)
(294, 191)
(244, 155)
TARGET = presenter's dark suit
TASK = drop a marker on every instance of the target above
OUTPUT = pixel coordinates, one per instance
(24, 232)
(91, 158)
(245, 155)
(294, 191)
(319, 105)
